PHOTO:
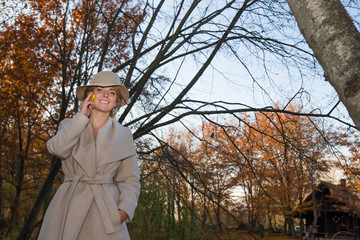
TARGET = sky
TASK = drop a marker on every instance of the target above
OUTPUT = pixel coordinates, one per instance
(230, 82)
(227, 79)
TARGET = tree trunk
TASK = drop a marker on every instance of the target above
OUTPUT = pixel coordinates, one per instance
(15, 205)
(218, 218)
(2, 220)
(26, 230)
(20, 168)
(335, 41)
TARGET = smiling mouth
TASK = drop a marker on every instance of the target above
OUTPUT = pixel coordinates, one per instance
(106, 102)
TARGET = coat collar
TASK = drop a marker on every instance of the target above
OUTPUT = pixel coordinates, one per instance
(114, 142)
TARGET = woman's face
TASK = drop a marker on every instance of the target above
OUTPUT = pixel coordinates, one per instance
(105, 98)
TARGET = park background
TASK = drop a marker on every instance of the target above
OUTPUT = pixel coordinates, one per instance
(233, 119)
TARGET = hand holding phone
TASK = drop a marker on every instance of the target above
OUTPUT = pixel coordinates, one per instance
(92, 98)
(88, 105)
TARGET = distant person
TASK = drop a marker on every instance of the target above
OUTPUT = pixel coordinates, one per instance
(101, 185)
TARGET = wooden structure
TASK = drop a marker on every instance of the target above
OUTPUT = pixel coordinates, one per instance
(339, 212)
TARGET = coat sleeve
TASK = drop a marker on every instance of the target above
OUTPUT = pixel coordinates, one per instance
(67, 136)
(128, 181)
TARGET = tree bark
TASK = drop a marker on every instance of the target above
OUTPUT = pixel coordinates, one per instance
(335, 41)
(30, 222)
(2, 220)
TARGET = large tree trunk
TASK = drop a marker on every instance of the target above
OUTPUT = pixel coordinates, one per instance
(30, 222)
(2, 219)
(335, 41)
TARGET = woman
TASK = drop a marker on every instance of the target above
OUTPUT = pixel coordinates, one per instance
(101, 185)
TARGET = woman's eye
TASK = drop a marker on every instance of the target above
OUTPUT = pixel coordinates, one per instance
(113, 93)
(99, 89)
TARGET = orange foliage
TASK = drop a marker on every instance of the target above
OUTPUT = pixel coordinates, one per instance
(260, 155)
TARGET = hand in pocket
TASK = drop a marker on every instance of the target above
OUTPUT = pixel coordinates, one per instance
(123, 215)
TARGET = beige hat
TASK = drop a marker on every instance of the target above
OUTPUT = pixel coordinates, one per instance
(104, 79)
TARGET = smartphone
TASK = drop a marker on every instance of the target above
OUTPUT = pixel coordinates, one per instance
(92, 98)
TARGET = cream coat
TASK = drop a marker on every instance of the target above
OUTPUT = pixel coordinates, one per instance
(101, 177)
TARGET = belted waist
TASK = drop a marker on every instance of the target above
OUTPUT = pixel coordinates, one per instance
(103, 179)
(99, 198)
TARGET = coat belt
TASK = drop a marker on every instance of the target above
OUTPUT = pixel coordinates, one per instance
(99, 199)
